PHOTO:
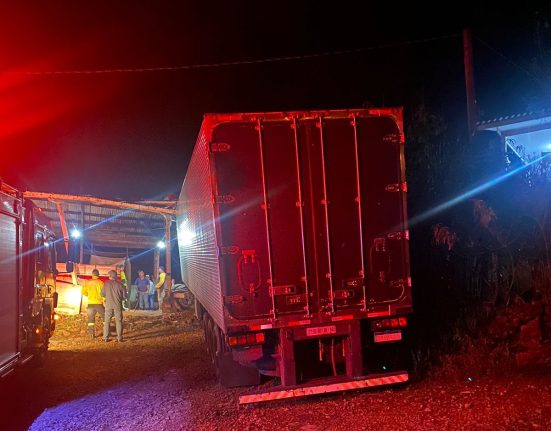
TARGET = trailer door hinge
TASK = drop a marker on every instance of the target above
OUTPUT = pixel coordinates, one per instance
(234, 299)
(219, 147)
(397, 187)
(232, 249)
(283, 290)
(393, 138)
(224, 199)
(401, 283)
(399, 235)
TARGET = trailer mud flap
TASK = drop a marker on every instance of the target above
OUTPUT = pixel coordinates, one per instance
(308, 390)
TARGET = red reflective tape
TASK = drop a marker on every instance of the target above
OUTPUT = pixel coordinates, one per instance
(299, 323)
(379, 314)
(339, 318)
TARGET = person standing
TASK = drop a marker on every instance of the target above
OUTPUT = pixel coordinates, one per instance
(114, 294)
(160, 286)
(92, 290)
(151, 293)
(142, 284)
(124, 282)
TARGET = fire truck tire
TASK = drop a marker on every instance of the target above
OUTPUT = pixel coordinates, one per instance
(39, 358)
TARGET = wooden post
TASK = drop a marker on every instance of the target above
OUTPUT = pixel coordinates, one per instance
(156, 264)
(81, 260)
(168, 242)
(63, 227)
(469, 80)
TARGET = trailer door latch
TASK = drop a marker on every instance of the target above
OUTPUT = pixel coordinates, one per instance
(224, 199)
(219, 147)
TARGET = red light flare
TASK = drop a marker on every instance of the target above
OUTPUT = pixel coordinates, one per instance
(35, 109)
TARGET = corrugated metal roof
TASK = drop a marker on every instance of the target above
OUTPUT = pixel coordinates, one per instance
(105, 226)
(513, 118)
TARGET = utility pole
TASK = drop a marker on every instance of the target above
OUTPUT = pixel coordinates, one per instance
(469, 80)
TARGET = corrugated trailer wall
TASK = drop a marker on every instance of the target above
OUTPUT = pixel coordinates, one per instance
(309, 211)
(197, 240)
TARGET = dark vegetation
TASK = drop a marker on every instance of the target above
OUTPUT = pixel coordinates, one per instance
(481, 268)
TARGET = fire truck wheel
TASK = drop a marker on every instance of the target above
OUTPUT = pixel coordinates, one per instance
(39, 358)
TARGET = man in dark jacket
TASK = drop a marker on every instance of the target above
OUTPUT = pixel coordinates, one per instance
(142, 284)
(114, 294)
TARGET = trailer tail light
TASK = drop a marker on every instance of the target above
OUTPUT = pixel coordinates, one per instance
(249, 339)
(393, 323)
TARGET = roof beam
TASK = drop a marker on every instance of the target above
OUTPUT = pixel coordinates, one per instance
(158, 222)
(56, 197)
(121, 240)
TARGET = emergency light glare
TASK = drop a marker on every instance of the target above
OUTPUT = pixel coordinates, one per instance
(161, 245)
(75, 234)
(185, 235)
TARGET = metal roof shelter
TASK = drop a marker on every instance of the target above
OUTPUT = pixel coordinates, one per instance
(524, 135)
(108, 223)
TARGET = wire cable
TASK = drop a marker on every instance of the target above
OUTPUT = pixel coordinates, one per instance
(229, 63)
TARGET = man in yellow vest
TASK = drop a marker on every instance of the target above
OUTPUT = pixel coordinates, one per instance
(92, 290)
(160, 286)
(124, 282)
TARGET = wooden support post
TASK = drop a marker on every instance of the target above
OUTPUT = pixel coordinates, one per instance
(83, 228)
(156, 264)
(63, 227)
(168, 242)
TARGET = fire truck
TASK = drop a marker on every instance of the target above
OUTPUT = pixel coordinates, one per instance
(293, 239)
(27, 287)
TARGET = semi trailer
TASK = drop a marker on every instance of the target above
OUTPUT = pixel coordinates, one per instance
(293, 239)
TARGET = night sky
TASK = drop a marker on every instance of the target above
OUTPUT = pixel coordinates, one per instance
(130, 135)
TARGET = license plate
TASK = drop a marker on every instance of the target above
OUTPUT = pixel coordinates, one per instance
(385, 337)
(321, 330)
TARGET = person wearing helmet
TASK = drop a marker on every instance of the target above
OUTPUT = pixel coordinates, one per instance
(92, 290)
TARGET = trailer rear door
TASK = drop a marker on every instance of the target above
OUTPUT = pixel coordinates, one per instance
(311, 213)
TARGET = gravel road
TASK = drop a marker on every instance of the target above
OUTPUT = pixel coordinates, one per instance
(160, 379)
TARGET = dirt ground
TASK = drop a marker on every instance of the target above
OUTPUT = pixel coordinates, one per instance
(160, 379)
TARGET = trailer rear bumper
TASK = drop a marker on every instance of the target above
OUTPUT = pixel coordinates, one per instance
(317, 389)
